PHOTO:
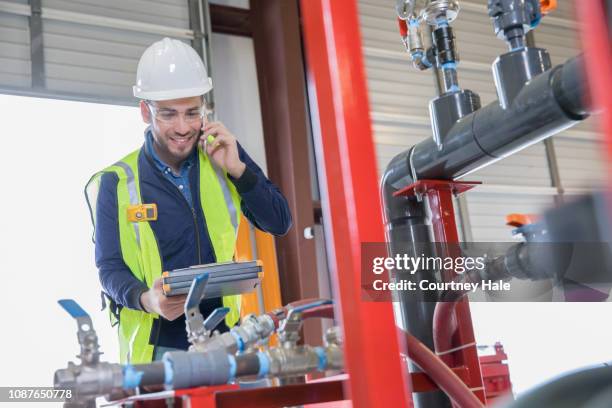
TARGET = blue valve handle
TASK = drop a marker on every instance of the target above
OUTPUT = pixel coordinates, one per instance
(196, 292)
(215, 318)
(84, 324)
(73, 308)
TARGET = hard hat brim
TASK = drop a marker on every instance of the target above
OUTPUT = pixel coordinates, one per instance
(172, 93)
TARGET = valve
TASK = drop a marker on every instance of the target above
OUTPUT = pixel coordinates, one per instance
(289, 329)
(86, 335)
(198, 329)
(91, 378)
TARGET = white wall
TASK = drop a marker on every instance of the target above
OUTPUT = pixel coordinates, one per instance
(49, 150)
(237, 94)
(544, 340)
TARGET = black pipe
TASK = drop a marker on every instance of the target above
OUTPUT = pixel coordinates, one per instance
(549, 103)
(407, 232)
(152, 374)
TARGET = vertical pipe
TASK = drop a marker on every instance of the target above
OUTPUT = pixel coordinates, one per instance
(37, 55)
(206, 29)
(464, 219)
(407, 232)
(553, 170)
(434, 69)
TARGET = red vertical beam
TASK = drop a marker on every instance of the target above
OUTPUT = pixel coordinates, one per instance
(595, 36)
(350, 197)
(440, 198)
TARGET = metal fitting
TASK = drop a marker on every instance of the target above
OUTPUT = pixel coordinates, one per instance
(407, 8)
(334, 357)
(512, 19)
(333, 336)
(415, 37)
(444, 41)
(289, 362)
(89, 382)
(91, 378)
(252, 331)
(435, 11)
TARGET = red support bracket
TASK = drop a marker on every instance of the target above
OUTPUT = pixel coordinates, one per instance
(439, 194)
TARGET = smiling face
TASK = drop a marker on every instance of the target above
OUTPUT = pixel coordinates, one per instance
(175, 125)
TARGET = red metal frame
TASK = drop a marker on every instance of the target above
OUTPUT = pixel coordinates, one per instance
(439, 195)
(496, 375)
(330, 390)
(598, 60)
(347, 165)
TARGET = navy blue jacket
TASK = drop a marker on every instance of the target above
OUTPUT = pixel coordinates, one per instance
(181, 233)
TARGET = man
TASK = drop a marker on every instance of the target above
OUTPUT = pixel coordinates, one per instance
(174, 203)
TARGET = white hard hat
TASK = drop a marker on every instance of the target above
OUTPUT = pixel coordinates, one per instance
(170, 69)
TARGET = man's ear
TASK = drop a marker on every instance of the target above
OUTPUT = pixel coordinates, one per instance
(145, 112)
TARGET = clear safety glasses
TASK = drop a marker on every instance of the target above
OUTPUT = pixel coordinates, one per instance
(171, 116)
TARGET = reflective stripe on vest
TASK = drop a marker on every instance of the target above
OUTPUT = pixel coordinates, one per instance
(133, 194)
(220, 205)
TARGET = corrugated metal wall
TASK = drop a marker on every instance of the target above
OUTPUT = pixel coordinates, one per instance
(14, 48)
(91, 49)
(399, 97)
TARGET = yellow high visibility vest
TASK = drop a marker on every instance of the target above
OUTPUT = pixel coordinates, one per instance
(221, 207)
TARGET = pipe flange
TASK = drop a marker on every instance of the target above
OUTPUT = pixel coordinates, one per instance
(440, 9)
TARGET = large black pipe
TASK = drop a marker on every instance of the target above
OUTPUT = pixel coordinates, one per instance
(547, 104)
(408, 232)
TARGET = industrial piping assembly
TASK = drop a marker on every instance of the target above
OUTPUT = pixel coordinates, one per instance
(534, 102)
(218, 359)
(213, 358)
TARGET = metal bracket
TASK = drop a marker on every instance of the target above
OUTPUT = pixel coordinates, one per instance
(88, 339)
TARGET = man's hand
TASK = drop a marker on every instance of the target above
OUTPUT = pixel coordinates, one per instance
(154, 301)
(224, 149)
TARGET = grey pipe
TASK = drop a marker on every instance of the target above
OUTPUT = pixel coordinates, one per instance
(151, 374)
(198, 369)
(407, 232)
(548, 104)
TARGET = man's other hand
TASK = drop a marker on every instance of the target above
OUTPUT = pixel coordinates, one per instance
(224, 149)
(154, 301)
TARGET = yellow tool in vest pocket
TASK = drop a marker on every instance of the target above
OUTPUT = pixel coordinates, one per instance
(142, 212)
